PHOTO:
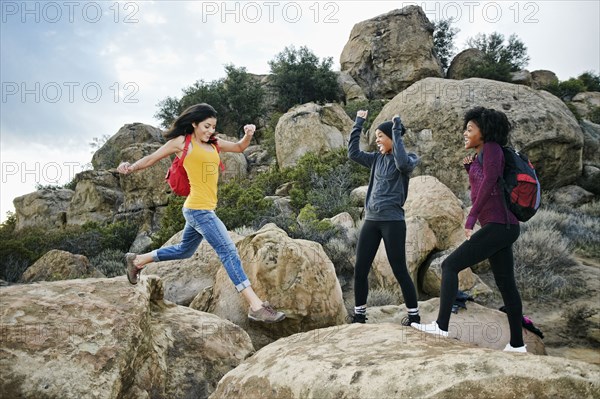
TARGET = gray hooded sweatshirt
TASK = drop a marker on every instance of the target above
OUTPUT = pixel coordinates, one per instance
(390, 173)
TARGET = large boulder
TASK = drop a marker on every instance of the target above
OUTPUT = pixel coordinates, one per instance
(145, 188)
(459, 67)
(350, 89)
(109, 155)
(392, 361)
(542, 78)
(60, 265)
(97, 198)
(590, 176)
(46, 208)
(102, 338)
(586, 103)
(591, 143)
(235, 163)
(293, 275)
(430, 199)
(388, 53)
(310, 128)
(432, 110)
(184, 279)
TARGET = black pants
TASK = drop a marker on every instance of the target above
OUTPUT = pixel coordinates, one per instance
(494, 242)
(394, 238)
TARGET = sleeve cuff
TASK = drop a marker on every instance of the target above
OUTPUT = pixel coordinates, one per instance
(470, 222)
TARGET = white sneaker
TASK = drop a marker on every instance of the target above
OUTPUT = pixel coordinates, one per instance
(520, 349)
(431, 328)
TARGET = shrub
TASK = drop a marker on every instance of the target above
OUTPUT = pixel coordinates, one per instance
(341, 253)
(109, 262)
(594, 115)
(590, 80)
(299, 78)
(543, 262)
(267, 135)
(500, 59)
(172, 221)
(382, 297)
(238, 99)
(443, 41)
(240, 203)
(312, 168)
(26, 246)
(577, 321)
(581, 226)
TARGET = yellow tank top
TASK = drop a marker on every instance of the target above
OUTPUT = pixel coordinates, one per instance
(202, 168)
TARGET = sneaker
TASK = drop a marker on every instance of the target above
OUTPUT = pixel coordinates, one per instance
(266, 314)
(431, 328)
(133, 272)
(357, 318)
(520, 349)
(408, 320)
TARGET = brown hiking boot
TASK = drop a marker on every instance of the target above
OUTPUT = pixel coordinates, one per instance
(266, 314)
(133, 273)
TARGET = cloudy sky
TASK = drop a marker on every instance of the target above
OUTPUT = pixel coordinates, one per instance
(76, 70)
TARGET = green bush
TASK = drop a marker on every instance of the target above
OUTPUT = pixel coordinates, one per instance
(443, 41)
(594, 115)
(266, 136)
(332, 166)
(500, 58)
(23, 248)
(590, 80)
(109, 262)
(172, 221)
(238, 99)
(240, 203)
(299, 78)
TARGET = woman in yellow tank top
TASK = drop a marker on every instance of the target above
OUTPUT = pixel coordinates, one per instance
(202, 166)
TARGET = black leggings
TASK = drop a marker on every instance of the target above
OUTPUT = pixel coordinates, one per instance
(494, 242)
(394, 238)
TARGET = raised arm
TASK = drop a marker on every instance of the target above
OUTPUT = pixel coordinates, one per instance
(354, 152)
(170, 147)
(405, 162)
(240, 146)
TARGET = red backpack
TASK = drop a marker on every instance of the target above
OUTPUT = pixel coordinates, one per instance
(177, 176)
(520, 185)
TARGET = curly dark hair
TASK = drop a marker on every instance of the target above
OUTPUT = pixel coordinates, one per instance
(494, 125)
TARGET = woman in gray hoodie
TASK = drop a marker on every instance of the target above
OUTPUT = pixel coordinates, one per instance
(390, 168)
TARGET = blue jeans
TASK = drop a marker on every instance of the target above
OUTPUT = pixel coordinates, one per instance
(201, 224)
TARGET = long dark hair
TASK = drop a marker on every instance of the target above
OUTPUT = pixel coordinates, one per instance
(494, 125)
(194, 114)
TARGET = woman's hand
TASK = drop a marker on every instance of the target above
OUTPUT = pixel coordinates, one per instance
(125, 168)
(468, 233)
(249, 130)
(468, 160)
(362, 114)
